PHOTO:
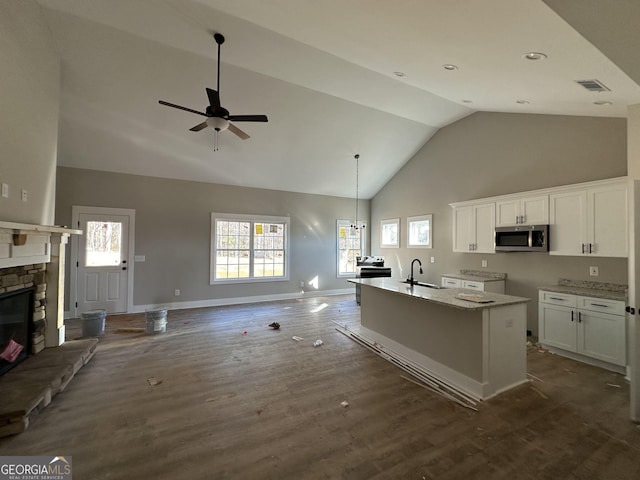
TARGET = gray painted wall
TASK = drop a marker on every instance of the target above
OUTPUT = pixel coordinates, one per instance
(173, 230)
(489, 154)
(30, 86)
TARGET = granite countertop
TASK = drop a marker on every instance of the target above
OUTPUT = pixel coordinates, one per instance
(609, 291)
(442, 296)
(477, 276)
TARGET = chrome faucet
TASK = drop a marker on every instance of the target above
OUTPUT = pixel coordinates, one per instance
(411, 279)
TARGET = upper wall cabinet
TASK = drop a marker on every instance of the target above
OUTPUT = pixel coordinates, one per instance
(473, 228)
(522, 211)
(591, 221)
(584, 219)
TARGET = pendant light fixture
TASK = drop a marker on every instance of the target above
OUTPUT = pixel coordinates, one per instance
(355, 226)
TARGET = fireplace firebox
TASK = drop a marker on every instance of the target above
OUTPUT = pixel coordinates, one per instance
(16, 327)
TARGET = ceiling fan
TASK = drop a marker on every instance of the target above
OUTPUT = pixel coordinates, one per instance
(218, 117)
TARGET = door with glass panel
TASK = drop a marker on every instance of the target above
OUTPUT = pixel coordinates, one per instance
(102, 268)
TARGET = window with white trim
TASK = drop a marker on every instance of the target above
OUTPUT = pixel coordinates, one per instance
(249, 248)
(351, 244)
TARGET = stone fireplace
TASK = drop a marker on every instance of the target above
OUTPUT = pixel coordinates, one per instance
(33, 257)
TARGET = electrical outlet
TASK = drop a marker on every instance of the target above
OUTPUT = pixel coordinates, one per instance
(593, 271)
(5, 190)
(484, 263)
(25, 195)
(177, 292)
(433, 259)
(301, 284)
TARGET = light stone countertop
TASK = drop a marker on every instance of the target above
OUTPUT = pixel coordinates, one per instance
(442, 296)
(586, 292)
(477, 276)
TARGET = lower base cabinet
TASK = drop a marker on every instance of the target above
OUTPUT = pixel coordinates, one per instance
(588, 326)
(494, 286)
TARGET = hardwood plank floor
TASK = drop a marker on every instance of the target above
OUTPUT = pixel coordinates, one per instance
(262, 406)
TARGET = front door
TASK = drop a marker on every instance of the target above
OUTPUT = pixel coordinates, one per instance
(102, 262)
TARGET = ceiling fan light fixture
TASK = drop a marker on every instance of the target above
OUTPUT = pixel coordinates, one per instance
(217, 123)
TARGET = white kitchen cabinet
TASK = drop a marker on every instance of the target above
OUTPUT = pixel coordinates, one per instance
(522, 211)
(473, 228)
(590, 221)
(450, 282)
(494, 286)
(590, 327)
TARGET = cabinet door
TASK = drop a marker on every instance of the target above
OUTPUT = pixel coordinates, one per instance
(568, 222)
(484, 223)
(607, 214)
(450, 282)
(602, 336)
(507, 212)
(557, 326)
(462, 229)
(479, 286)
(535, 210)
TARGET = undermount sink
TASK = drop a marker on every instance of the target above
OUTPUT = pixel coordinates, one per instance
(423, 284)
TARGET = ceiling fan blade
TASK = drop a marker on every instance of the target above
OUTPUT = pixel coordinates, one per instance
(162, 102)
(214, 98)
(198, 127)
(248, 118)
(233, 129)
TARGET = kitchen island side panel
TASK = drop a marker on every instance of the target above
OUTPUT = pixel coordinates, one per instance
(449, 336)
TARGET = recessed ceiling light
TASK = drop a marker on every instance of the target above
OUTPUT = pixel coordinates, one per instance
(535, 56)
(449, 66)
(522, 102)
(603, 102)
(399, 74)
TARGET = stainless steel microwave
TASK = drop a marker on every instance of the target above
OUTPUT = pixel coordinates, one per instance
(522, 238)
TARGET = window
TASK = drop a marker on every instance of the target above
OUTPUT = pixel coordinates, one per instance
(420, 231)
(247, 248)
(104, 244)
(351, 243)
(389, 233)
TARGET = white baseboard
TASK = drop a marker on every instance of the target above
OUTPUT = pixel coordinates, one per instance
(217, 302)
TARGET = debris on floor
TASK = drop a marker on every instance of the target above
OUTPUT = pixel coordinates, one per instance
(613, 385)
(317, 343)
(274, 325)
(344, 404)
(297, 339)
(534, 377)
(153, 381)
(244, 333)
(130, 330)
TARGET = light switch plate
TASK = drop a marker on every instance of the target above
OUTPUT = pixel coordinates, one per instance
(484, 263)
(5, 190)
(140, 258)
(433, 259)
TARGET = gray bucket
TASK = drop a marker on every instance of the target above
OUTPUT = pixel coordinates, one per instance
(93, 323)
(156, 321)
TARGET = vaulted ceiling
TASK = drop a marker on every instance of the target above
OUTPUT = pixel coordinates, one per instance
(326, 73)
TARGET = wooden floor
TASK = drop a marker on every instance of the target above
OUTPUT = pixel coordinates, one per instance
(260, 405)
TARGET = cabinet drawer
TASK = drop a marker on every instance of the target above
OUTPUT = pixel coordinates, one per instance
(614, 307)
(557, 298)
(451, 282)
(473, 285)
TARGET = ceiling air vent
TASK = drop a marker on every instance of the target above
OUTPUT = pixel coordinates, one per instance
(593, 85)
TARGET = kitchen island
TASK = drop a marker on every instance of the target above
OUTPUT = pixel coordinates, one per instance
(472, 341)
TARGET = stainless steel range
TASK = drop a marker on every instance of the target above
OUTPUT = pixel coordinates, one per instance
(370, 267)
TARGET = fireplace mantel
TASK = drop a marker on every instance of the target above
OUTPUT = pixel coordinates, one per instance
(24, 244)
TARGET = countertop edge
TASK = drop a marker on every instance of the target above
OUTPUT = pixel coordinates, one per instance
(585, 292)
(438, 296)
